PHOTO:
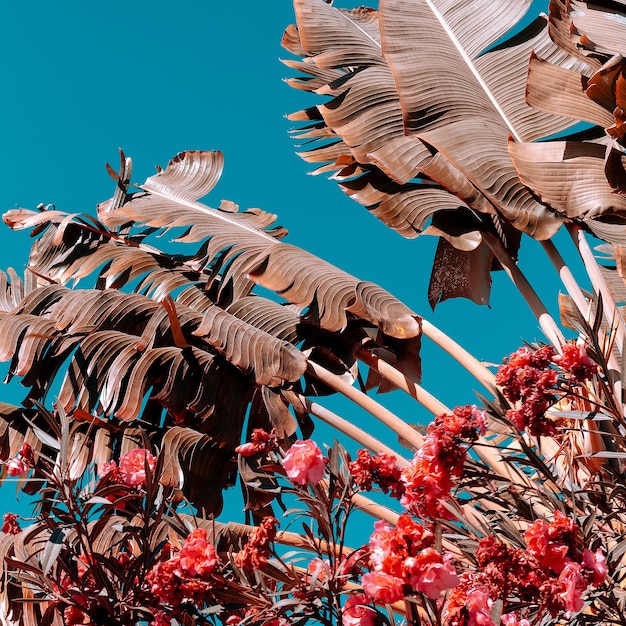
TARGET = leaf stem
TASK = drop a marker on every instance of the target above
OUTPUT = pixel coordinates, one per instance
(546, 322)
(599, 283)
(354, 432)
(462, 356)
(381, 413)
(583, 305)
(401, 380)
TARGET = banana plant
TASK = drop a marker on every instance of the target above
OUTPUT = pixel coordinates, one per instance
(440, 118)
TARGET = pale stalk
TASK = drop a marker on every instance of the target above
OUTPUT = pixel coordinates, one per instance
(567, 278)
(350, 430)
(613, 314)
(377, 410)
(548, 326)
(373, 509)
(584, 308)
(294, 540)
(477, 369)
(426, 399)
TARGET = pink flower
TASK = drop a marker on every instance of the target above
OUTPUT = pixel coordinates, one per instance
(538, 543)
(15, 467)
(318, 569)
(133, 466)
(431, 573)
(356, 612)
(478, 604)
(304, 462)
(596, 562)
(247, 449)
(383, 587)
(107, 468)
(573, 585)
(197, 557)
(387, 552)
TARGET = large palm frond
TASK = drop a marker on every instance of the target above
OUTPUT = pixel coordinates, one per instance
(188, 348)
(424, 97)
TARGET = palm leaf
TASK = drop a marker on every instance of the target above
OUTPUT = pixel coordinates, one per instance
(588, 171)
(244, 248)
(395, 141)
(211, 362)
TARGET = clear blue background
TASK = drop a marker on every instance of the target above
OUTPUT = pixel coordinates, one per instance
(81, 79)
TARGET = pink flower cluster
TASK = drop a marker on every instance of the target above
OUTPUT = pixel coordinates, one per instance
(186, 576)
(427, 481)
(255, 553)
(403, 561)
(529, 377)
(304, 463)
(552, 572)
(429, 478)
(132, 467)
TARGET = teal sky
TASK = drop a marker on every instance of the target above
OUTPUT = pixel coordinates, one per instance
(80, 80)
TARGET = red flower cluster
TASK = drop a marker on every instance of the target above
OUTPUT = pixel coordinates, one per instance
(429, 478)
(10, 525)
(527, 377)
(403, 561)
(261, 442)
(381, 470)
(186, 576)
(530, 378)
(552, 572)
(255, 553)
(357, 612)
(553, 544)
(576, 362)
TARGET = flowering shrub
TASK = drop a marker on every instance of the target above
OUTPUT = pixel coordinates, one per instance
(441, 560)
(508, 514)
